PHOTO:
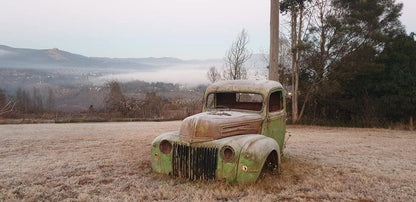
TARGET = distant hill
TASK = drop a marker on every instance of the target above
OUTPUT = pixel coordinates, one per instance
(55, 58)
(46, 59)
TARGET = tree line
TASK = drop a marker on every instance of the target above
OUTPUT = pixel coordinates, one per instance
(25, 101)
(343, 62)
(153, 106)
(352, 62)
(135, 99)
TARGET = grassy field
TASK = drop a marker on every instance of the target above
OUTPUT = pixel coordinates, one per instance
(111, 162)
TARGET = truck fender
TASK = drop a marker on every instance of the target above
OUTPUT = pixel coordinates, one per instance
(253, 157)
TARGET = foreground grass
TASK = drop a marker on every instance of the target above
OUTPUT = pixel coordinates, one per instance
(111, 162)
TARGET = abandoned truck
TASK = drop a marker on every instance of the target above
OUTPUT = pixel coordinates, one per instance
(239, 134)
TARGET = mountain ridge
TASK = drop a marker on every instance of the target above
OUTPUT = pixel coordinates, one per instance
(11, 57)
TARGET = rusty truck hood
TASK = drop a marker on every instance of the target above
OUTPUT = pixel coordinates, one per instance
(213, 125)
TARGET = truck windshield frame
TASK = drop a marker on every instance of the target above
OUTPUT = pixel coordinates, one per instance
(245, 101)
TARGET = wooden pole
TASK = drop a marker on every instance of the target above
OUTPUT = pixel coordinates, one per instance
(274, 41)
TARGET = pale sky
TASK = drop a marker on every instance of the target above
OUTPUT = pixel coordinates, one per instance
(187, 29)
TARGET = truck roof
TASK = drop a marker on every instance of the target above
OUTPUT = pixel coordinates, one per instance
(249, 86)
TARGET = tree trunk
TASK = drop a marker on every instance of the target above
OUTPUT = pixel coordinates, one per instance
(411, 123)
(295, 74)
(323, 41)
(274, 41)
(302, 110)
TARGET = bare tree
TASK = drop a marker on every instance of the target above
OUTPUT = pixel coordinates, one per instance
(308, 18)
(297, 15)
(321, 35)
(37, 104)
(274, 41)
(3, 99)
(5, 107)
(213, 74)
(236, 56)
(50, 102)
(295, 62)
(23, 100)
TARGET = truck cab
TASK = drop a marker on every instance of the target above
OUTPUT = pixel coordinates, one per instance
(239, 133)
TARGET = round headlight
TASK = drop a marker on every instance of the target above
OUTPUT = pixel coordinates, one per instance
(165, 147)
(227, 153)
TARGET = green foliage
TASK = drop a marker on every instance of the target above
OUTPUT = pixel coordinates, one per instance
(287, 5)
(361, 72)
(396, 92)
(367, 22)
(363, 28)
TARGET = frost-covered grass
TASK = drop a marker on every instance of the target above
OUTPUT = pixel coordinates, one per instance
(111, 161)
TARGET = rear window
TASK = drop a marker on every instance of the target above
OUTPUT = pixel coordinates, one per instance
(237, 100)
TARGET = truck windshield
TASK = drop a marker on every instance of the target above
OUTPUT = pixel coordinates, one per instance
(235, 100)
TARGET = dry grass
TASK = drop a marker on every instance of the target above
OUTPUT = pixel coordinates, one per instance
(111, 162)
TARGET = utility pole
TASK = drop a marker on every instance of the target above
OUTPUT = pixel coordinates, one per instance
(274, 41)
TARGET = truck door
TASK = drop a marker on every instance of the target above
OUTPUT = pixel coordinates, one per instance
(275, 122)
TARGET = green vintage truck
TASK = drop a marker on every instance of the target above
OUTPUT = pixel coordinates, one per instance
(239, 134)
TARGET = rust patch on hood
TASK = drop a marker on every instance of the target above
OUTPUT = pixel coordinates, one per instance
(213, 125)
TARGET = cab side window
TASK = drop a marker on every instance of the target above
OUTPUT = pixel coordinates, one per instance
(276, 101)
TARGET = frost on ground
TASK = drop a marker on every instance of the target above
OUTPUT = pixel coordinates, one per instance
(111, 162)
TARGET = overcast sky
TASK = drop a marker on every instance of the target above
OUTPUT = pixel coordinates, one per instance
(188, 29)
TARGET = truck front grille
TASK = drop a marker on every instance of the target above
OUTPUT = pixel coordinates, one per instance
(194, 163)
